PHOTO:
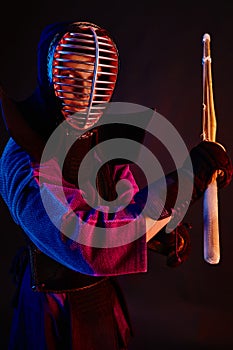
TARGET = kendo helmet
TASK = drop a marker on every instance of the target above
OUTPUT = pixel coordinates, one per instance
(82, 69)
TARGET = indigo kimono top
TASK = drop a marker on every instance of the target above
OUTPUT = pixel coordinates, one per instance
(46, 211)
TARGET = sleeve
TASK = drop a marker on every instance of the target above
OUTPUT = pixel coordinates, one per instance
(62, 225)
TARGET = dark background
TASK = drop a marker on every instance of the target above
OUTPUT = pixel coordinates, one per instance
(160, 46)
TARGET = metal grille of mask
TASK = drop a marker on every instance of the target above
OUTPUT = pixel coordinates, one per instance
(84, 70)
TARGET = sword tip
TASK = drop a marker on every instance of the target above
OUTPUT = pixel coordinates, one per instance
(206, 37)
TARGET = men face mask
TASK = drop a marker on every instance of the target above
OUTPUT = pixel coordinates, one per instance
(83, 71)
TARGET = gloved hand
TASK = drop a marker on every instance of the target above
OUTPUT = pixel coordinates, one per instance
(208, 157)
(175, 245)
